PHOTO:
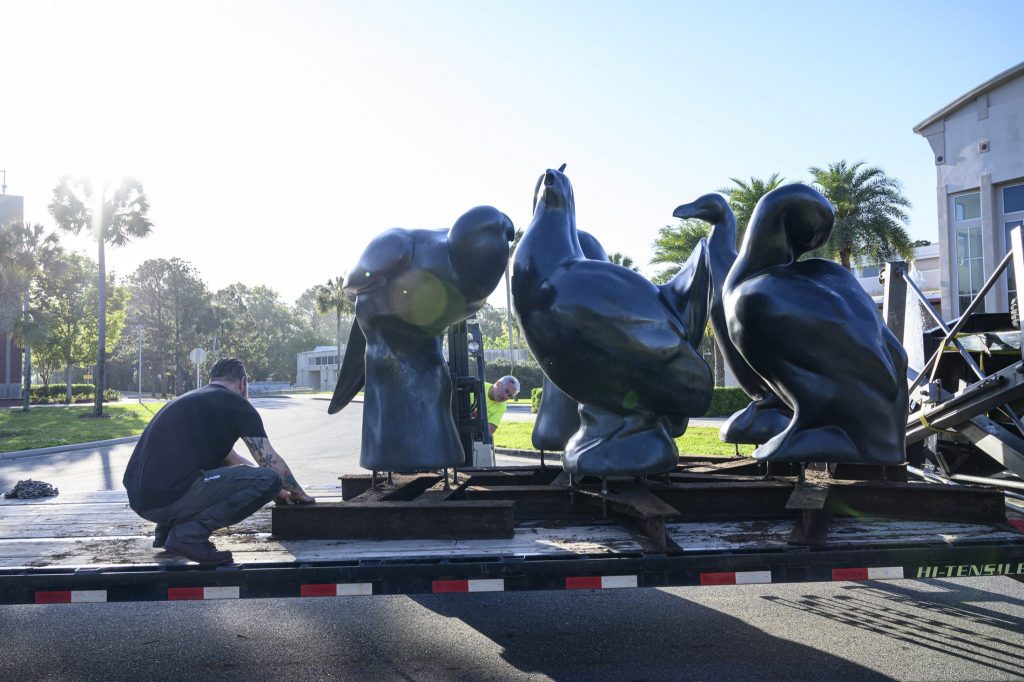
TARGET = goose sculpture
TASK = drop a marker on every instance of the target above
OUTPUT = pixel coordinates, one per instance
(766, 416)
(611, 340)
(558, 416)
(409, 286)
(815, 337)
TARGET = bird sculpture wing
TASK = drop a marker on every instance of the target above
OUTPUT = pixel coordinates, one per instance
(353, 370)
(688, 294)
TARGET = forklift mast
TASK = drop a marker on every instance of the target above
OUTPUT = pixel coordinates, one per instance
(466, 364)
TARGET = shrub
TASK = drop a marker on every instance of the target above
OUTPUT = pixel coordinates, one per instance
(54, 394)
(528, 373)
(535, 396)
(726, 400)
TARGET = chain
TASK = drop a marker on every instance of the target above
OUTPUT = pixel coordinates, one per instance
(29, 488)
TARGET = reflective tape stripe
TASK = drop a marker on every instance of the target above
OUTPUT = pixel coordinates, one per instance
(354, 589)
(1018, 524)
(53, 597)
(230, 592)
(718, 578)
(610, 582)
(88, 596)
(202, 593)
(849, 574)
(590, 582)
(886, 573)
(487, 585)
(753, 577)
(444, 586)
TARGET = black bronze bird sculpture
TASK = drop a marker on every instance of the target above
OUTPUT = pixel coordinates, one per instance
(766, 415)
(612, 340)
(409, 286)
(815, 337)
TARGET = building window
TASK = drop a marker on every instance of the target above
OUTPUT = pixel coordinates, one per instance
(970, 266)
(967, 207)
(1013, 199)
(1011, 282)
(1013, 216)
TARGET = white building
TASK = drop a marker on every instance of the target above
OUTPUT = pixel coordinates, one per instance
(318, 368)
(978, 149)
(924, 268)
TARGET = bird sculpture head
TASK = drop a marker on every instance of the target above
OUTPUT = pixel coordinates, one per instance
(554, 190)
(478, 249)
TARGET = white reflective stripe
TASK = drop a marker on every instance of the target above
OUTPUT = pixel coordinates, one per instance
(753, 577)
(611, 581)
(886, 573)
(487, 585)
(220, 592)
(88, 596)
(354, 589)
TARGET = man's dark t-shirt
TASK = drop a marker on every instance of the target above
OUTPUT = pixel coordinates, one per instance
(193, 432)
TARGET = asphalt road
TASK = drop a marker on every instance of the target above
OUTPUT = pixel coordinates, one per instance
(318, 447)
(915, 630)
(939, 630)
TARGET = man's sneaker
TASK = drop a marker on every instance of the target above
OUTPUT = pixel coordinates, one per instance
(160, 535)
(200, 552)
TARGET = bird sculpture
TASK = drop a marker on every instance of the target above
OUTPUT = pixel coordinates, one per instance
(558, 416)
(815, 337)
(611, 340)
(409, 286)
(766, 415)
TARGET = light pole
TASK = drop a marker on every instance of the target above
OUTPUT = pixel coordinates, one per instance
(139, 327)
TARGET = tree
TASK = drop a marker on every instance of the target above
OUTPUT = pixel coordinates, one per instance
(623, 260)
(675, 243)
(331, 297)
(28, 251)
(265, 331)
(306, 309)
(745, 194)
(121, 217)
(174, 307)
(870, 215)
(66, 295)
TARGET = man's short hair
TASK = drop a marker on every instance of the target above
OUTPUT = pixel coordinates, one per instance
(228, 369)
(512, 380)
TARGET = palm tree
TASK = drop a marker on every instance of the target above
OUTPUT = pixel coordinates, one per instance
(743, 197)
(28, 250)
(623, 260)
(674, 245)
(870, 215)
(113, 218)
(332, 297)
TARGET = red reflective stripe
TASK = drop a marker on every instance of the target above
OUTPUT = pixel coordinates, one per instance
(451, 586)
(318, 590)
(590, 582)
(56, 597)
(849, 574)
(717, 578)
(1018, 524)
(184, 593)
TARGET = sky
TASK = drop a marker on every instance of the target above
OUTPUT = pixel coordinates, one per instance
(274, 140)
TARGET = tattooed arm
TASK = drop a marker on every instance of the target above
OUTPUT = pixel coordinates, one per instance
(266, 456)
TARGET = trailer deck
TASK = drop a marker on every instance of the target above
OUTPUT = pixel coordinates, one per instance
(82, 547)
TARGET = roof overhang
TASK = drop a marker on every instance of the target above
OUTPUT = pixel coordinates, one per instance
(969, 97)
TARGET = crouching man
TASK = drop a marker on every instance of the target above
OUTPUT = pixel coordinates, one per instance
(186, 477)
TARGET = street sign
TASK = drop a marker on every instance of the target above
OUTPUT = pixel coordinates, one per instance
(197, 356)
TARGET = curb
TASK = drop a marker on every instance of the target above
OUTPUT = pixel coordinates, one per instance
(549, 455)
(72, 447)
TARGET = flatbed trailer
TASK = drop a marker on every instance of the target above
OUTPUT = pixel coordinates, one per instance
(90, 547)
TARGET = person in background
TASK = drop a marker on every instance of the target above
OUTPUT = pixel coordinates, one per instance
(498, 394)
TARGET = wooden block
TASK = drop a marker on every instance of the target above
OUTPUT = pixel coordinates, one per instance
(394, 520)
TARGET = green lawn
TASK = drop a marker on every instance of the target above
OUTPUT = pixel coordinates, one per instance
(46, 426)
(698, 440)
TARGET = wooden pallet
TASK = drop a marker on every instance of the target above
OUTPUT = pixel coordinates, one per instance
(492, 503)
